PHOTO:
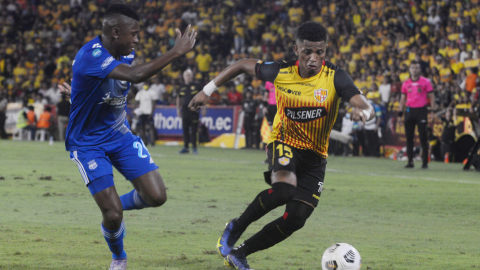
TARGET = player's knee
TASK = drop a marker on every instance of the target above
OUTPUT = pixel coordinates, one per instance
(113, 218)
(157, 199)
(284, 191)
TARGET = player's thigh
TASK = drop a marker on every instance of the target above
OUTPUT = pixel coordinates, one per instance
(310, 177)
(93, 163)
(151, 188)
(131, 158)
(282, 163)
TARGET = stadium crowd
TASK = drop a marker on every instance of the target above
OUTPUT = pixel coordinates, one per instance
(375, 41)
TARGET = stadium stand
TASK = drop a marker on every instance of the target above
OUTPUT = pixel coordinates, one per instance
(373, 40)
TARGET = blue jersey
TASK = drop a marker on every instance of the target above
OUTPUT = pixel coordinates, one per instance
(98, 111)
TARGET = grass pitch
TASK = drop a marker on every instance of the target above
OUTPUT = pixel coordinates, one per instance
(396, 218)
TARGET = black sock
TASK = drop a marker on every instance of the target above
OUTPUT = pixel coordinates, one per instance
(267, 200)
(295, 216)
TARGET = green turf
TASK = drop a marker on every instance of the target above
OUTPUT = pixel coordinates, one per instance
(396, 218)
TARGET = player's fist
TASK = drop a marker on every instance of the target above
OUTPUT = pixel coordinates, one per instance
(184, 43)
(198, 101)
(358, 115)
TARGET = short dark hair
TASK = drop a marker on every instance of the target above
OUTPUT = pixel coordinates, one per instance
(122, 9)
(312, 31)
(414, 62)
(475, 70)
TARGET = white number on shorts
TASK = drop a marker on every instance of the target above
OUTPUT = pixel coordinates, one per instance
(320, 187)
(140, 147)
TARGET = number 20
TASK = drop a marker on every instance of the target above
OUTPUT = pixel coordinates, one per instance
(284, 149)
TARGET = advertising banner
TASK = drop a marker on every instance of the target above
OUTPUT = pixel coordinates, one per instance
(218, 120)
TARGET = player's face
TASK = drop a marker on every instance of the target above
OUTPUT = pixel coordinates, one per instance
(310, 55)
(415, 70)
(128, 37)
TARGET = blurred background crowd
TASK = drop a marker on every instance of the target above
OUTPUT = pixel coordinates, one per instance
(373, 40)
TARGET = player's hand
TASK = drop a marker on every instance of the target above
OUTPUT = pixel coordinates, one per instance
(184, 43)
(198, 101)
(357, 115)
(65, 89)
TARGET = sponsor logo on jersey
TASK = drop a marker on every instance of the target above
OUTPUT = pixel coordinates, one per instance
(114, 101)
(92, 164)
(107, 62)
(320, 94)
(96, 45)
(288, 91)
(97, 52)
(129, 56)
(284, 161)
(305, 114)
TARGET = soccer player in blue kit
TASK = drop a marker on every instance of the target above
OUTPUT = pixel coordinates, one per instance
(98, 134)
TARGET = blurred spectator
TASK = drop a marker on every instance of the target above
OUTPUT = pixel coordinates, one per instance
(3, 117)
(234, 97)
(203, 61)
(146, 99)
(63, 111)
(31, 119)
(158, 88)
(46, 122)
(372, 127)
(249, 108)
(384, 90)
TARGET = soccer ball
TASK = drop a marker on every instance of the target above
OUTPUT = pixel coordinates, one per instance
(341, 256)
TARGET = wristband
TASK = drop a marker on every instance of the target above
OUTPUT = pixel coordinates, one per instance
(367, 114)
(210, 88)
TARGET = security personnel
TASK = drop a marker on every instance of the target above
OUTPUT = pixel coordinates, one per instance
(189, 118)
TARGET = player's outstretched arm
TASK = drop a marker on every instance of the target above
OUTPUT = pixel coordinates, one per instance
(241, 66)
(362, 110)
(142, 72)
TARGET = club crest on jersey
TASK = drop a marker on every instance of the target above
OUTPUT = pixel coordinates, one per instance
(284, 161)
(92, 164)
(320, 94)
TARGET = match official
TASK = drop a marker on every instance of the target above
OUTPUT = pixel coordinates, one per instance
(416, 93)
(189, 118)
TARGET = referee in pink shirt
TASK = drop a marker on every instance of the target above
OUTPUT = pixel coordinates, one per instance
(416, 92)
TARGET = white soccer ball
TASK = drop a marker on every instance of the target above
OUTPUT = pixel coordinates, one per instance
(341, 256)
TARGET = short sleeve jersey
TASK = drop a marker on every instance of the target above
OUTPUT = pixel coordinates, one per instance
(98, 111)
(417, 92)
(306, 107)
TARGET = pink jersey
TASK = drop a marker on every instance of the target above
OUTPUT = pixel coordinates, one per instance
(271, 96)
(416, 92)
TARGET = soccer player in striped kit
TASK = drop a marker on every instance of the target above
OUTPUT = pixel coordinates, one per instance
(308, 93)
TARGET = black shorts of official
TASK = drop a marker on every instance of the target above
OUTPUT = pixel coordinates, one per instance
(308, 166)
(271, 112)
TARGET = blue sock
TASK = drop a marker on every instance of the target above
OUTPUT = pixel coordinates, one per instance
(132, 200)
(114, 240)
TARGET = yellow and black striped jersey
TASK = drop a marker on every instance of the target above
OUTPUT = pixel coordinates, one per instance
(306, 107)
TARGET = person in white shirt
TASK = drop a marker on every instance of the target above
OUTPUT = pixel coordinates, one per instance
(53, 94)
(384, 91)
(158, 88)
(146, 99)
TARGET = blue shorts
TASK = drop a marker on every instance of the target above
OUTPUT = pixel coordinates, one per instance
(130, 157)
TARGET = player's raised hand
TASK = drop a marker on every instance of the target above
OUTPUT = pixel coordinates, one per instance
(358, 115)
(185, 43)
(65, 89)
(198, 101)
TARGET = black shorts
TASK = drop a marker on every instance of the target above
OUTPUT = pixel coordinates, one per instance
(271, 112)
(308, 166)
